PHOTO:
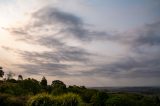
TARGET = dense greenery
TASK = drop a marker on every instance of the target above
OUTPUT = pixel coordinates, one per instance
(44, 99)
(30, 92)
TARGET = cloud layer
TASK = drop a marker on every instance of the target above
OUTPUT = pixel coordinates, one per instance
(65, 34)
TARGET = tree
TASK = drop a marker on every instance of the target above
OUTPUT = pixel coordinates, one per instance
(58, 87)
(1, 72)
(30, 86)
(10, 75)
(43, 82)
(58, 83)
(99, 98)
(20, 77)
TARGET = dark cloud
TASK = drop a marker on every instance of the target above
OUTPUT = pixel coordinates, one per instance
(52, 16)
(62, 55)
(148, 35)
(50, 42)
(128, 68)
(50, 63)
(63, 23)
(68, 24)
(59, 53)
(142, 59)
(45, 68)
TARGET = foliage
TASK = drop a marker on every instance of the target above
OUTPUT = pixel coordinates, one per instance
(1, 72)
(58, 84)
(99, 99)
(28, 92)
(119, 101)
(43, 82)
(31, 86)
(9, 100)
(129, 99)
(20, 77)
(11, 80)
(10, 75)
(41, 100)
(58, 87)
(69, 99)
(147, 101)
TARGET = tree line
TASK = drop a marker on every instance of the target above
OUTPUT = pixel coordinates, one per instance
(31, 92)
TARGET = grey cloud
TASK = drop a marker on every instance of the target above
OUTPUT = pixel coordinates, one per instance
(149, 35)
(64, 23)
(68, 24)
(144, 63)
(128, 68)
(49, 15)
(143, 43)
(142, 60)
(50, 42)
(50, 63)
(45, 68)
(66, 55)
(54, 58)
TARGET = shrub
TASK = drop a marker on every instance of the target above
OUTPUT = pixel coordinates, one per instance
(69, 99)
(41, 100)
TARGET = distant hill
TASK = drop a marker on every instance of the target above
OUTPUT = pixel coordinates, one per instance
(143, 90)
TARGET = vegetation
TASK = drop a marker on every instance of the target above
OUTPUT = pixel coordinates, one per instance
(44, 99)
(1, 72)
(30, 92)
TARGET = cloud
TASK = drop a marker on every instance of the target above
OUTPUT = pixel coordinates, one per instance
(142, 59)
(57, 60)
(50, 42)
(129, 68)
(50, 69)
(53, 16)
(149, 35)
(44, 27)
(141, 36)
(69, 24)
(61, 55)
(54, 63)
(57, 23)
(51, 28)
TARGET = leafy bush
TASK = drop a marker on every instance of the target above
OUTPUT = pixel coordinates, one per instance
(41, 100)
(69, 99)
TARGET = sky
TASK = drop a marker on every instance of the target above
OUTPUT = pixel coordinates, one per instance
(82, 42)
